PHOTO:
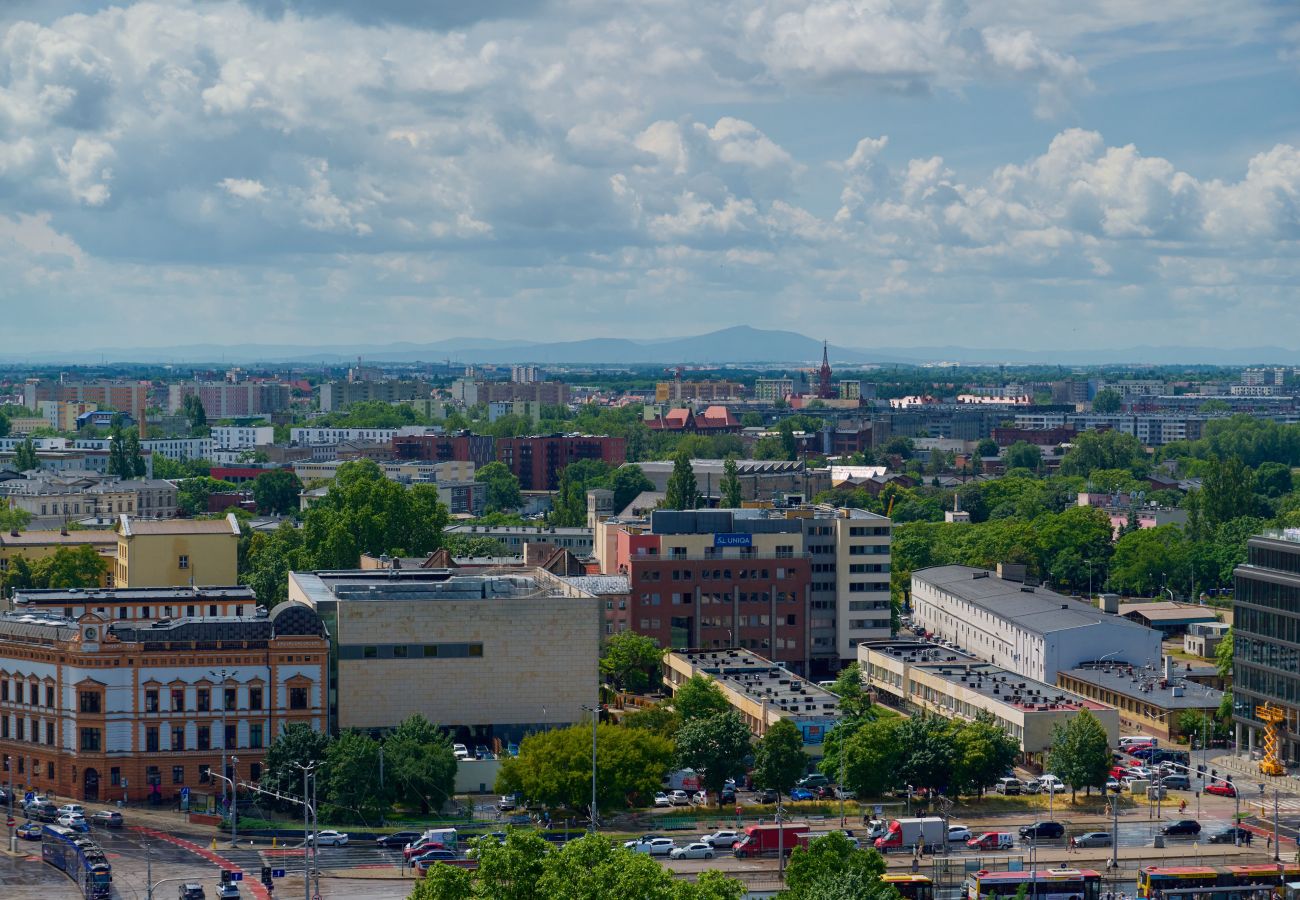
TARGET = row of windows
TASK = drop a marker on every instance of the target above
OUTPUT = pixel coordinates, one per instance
(861, 587)
(19, 731)
(782, 573)
(867, 605)
(1266, 653)
(36, 766)
(1269, 558)
(1277, 685)
(26, 692)
(409, 651)
(860, 568)
(869, 550)
(202, 699)
(868, 531)
(177, 732)
(869, 623)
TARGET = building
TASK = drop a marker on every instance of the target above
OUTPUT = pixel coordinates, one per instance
(678, 391)
(242, 437)
(524, 409)
(61, 415)
(403, 472)
(76, 494)
(37, 545)
(547, 393)
(479, 449)
(224, 400)
(1168, 617)
(148, 604)
(492, 657)
(776, 481)
(322, 435)
(762, 691)
(577, 541)
(1027, 629)
(919, 675)
(537, 461)
(802, 585)
(1266, 632)
(60, 455)
(177, 552)
(710, 420)
(338, 395)
(1148, 698)
(125, 396)
(101, 712)
(524, 374)
(1203, 638)
(770, 390)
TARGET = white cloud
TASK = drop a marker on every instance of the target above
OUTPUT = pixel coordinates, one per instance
(243, 188)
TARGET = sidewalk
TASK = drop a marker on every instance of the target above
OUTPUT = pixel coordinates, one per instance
(1243, 768)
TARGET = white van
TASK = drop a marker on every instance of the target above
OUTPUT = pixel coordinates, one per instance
(1007, 786)
(1133, 740)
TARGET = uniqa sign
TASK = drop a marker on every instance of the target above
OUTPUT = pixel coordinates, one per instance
(733, 540)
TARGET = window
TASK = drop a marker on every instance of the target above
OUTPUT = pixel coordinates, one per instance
(178, 699)
(399, 651)
(151, 701)
(115, 777)
(239, 609)
(4, 690)
(49, 733)
(189, 611)
(152, 776)
(475, 649)
(255, 771)
(369, 652)
(90, 739)
(178, 774)
(21, 733)
(89, 702)
(298, 697)
(430, 651)
(202, 700)
(203, 737)
(49, 695)
(178, 737)
(255, 735)
(212, 609)
(232, 736)
(231, 696)
(151, 739)
(183, 562)
(4, 726)
(255, 696)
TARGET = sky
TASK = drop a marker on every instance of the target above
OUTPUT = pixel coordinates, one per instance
(883, 173)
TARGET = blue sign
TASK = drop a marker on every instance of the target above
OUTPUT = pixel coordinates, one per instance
(29, 796)
(733, 540)
(185, 793)
(277, 873)
(236, 876)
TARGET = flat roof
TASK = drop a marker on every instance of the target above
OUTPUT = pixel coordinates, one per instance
(1148, 685)
(763, 681)
(1167, 611)
(132, 526)
(600, 585)
(69, 596)
(39, 538)
(397, 585)
(1035, 608)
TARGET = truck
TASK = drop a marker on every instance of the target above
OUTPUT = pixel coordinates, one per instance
(682, 780)
(769, 840)
(906, 834)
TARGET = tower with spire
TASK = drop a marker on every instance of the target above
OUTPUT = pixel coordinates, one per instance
(824, 389)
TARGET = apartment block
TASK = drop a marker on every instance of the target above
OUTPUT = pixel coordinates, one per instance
(537, 461)
(334, 396)
(242, 437)
(124, 396)
(224, 400)
(476, 448)
(697, 391)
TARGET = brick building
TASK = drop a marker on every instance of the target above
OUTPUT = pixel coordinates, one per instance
(125, 396)
(537, 461)
(98, 710)
(224, 400)
(475, 448)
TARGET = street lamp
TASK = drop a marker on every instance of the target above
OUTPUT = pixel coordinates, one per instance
(234, 807)
(595, 718)
(224, 677)
(308, 813)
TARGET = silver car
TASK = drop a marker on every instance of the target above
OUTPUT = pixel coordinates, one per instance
(1091, 839)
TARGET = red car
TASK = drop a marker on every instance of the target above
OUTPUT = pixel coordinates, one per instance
(1220, 789)
(1118, 771)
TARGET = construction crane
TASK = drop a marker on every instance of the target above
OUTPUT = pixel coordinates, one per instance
(1272, 717)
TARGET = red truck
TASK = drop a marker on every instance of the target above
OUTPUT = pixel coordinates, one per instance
(768, 840)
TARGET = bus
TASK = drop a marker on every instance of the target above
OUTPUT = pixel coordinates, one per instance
(1217, 882)
(80, 858)
(1041, 884)
(911, 887)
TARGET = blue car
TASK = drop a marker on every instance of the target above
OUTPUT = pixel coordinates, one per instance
(801, 794)
(29, 831)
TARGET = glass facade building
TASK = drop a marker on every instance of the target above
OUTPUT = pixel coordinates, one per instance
(1266, 639)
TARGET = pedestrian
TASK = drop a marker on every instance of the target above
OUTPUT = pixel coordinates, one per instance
(1269, 844)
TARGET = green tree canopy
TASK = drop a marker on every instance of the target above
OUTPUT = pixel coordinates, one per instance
(1080, 754)
(716, 746)
(192, 493)
(350, 782)
(1104, 450)
(682, 491)
(984, 751)
(1223, 656)
(630, 661)
(779, 757)
(830, 868)
(25, 456)
(276, 491)
(855, 702)
(628, 482)
(502, 487)
(930, 755)
(698, 697)
(729, 486)
(70, 567)
(1107, 401)
(1024, 455)
(296, 745)
(872, 756)
(420, 764)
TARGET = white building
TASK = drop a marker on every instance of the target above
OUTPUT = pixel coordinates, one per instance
(243, 437)
(317, 435)
(1029, 630)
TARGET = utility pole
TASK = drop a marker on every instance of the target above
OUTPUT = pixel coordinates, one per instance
(1114, 832)
(595, 719)
(306, 832)
(780, 840)
(224, 676)
(1276, 847)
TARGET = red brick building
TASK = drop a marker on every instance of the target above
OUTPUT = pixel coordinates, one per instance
(537, 461)
(463, 447)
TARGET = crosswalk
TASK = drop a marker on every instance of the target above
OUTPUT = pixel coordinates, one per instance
(352, 856)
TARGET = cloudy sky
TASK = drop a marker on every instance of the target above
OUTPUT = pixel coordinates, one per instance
(1056, 173)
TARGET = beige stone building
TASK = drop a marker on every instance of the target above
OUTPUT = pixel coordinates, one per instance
(177, 552)
(491, 657)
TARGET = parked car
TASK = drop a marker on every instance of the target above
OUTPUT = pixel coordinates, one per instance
(661, 799)
(766, 795)
(843, 793)
(700, 798)
(801, 793)
(721, 840)
(1182, 826)
(1031, 786)
(816, 779)
(660, 846)
(697, 850)
(958, 833)
(1232, 836)
(728, 795)
(107, 818)
(1043, 830)
(397, 840)
(190, 891)
(1114, 786)
(512, 749)
(30, 831)
(460, 751)
(482, 751)
(679, 798)
(1220, 789)
(72, 808)
(992, 840)
(1177, 782)
(330, 839)
(1091, 839)
(1007, 786)
(424, 860)
(506, 803)
(228, 890)
(74, 821)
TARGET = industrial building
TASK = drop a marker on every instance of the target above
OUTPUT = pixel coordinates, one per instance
(1149, 698)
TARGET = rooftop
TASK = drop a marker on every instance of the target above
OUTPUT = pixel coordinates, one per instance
(132, 526)
(1169, 611)
(377, 585)
(600, 585)
(1148, 684)
(1036, 609)
(42, 538)
(70, 596)
(542, 530)
(763, 681)
(285, 619)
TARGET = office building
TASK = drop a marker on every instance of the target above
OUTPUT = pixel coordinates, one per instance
(242, 437)
(493, 657)
(920, 676)
(1024, 628)
(177, 552)
(103, 711)
(762, 691)
(1149, 699)
(335, 396)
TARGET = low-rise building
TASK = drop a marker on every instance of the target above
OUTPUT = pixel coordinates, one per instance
(1148, 698)
(37, 545)
(919, 675)
(177, 552)
(762, 691)
(1203, 638)
(492, 657)
(577, 541)
(1168, 617)
(139, 604)
(243, 437)
(102, 712)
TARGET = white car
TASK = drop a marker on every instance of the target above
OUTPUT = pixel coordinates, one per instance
(661, 799)
(697, 850)
(700, 798)
(72, 809)
(460, 751)
(721, 840)
(331, 839)
(958, 833)
(679, 798)
(72, 820)
(660, 846)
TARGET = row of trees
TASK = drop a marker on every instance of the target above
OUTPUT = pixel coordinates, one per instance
(66, 567)
(569, 506)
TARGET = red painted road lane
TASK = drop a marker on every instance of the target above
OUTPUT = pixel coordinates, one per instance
(255, 887)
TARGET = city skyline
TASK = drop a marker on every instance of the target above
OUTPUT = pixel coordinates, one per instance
(919, 174)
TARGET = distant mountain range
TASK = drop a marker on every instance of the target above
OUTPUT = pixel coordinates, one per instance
(738, 345)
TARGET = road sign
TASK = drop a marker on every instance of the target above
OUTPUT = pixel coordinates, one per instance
(737, 810)
(11, 823)
(277, 873)
(29, 796)
(236, 876)
(877, 810)
(185, 793)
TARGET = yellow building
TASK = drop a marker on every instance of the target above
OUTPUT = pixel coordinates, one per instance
(34, 545)
(62, 414)
(177, 552)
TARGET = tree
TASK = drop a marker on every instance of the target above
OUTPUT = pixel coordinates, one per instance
(628, 482)
(1080, 754)
(25, 456)
(1104, 450)
(751, 420)
(277, 491)
(13, 518)
(192, 409)
(831, 867)
(716, 746)
(1107, 401)
(779, 757)
(987, 447)
(984, 751)
(1223, 656)
(1024, 455)
(682, 490)
(133, 459)
(1273, 479)
(729, 486)
(192, 493)
(70, 567)
(554, 767)
(1226, 491)
(420, 764)
(502, 487)
(872, 755)
(1148, 558)
(443, 882)
(351, 780)
(511, 870)
(629, 660)
(270, 558)
(4, 425)
(929, 752)
(296, 744)
(699, 697)
(592, 868)
(854, 700)
(660, 718)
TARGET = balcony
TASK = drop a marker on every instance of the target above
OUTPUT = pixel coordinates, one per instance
(722, 556)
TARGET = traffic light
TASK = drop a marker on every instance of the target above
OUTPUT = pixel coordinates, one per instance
(225, 876)
(266, 876)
